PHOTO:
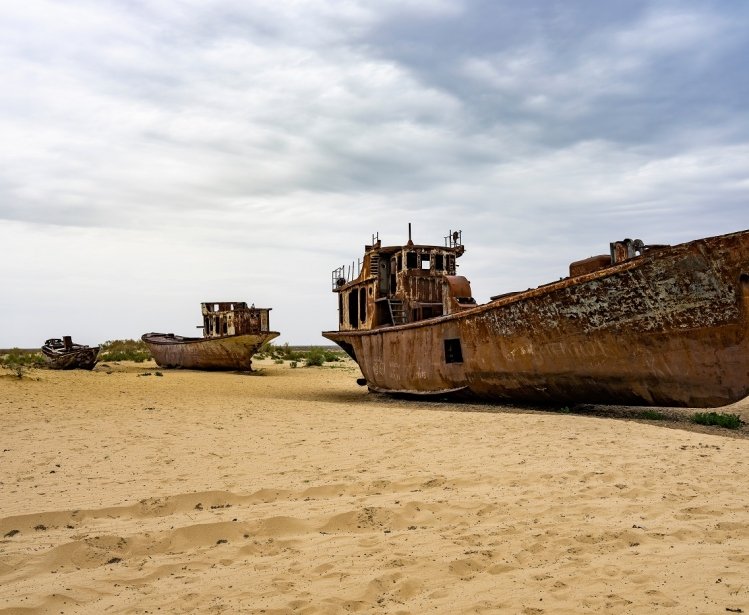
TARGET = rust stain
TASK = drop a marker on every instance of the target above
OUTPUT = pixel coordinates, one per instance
(645, 324)
(232, 334)
(65, 354)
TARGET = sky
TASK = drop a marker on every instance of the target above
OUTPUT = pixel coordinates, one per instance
(157, 154)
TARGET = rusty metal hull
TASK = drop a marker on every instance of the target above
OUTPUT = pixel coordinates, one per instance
(80, 357)
(667, 328)
(232, 352)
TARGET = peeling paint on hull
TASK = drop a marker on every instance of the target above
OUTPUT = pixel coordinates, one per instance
(232, 352)
(80, 358)
(232, 334)
(666, 328)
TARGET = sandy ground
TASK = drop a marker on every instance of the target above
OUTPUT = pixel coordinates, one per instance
(296, 491)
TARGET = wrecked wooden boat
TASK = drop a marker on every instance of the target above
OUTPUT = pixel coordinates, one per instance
(232, 334)
(64, 354)
(643, 325)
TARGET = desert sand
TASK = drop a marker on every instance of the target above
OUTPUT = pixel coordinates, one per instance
(296, 491)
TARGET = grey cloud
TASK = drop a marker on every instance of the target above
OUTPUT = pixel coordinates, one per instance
(214, 149)
(629, 72)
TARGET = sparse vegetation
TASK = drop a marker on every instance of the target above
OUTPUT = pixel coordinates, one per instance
(266, 350)
(652, 415)
(278, 353)
(19, 362)
(721, 419)
(124, 350)
(331, 356)
(311, 356)
(314, 358)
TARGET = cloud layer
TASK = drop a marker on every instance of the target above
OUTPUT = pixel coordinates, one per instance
(157, 155)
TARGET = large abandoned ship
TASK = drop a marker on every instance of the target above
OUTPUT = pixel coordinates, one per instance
(232, 334)
(643, 325)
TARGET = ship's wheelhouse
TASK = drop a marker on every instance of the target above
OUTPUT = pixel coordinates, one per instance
(222, 318)
(401, 284)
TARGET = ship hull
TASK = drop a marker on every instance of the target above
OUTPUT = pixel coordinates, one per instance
(232, 352)
(667, 328)
(79, 358)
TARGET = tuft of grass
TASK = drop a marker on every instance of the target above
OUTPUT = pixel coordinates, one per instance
(124, 350)
(20, 362)
(652, 415)
(721, 419)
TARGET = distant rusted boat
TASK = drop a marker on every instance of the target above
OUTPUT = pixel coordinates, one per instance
(644, 325)
(64, 354)
(232, 334)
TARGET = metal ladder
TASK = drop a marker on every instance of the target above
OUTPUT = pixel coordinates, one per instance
(397, 312)
(374, 264)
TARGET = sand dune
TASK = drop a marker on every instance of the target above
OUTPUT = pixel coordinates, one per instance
(296, 491)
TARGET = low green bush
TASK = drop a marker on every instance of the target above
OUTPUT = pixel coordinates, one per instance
(19, 362)
(721, 419)
(289, 354)
(124, 350)
(315, 357)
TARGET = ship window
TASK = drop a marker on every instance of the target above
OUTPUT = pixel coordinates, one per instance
(215, 307)
(353, 308)
(400, 262)
(340, 309)
(439, 264)
(363, 304)
(453, 352)
(425, 263)
(450, 264)
(226, 327)
(410, 260)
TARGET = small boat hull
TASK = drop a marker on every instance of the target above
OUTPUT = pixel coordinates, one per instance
(667, 328)
(232, 352)
(78, 358)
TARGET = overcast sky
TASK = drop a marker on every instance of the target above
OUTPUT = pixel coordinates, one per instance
(154, 154)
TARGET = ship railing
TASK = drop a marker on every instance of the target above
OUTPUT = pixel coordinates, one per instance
(454, 239)
(346, 273)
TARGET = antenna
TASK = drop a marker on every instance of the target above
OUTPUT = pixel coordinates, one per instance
(409, 231)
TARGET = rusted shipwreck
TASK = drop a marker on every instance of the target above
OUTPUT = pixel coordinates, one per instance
(64, 354)
(642, 325)
(232, 334)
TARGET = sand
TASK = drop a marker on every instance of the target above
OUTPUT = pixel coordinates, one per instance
(296, 491)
